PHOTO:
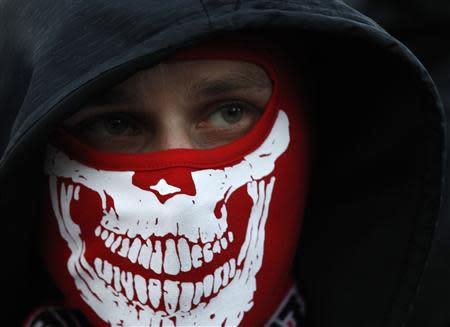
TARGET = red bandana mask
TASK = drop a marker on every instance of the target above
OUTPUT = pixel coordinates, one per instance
(181, 237)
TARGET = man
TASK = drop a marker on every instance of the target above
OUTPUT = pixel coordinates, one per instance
(162, 192)
(376, 130)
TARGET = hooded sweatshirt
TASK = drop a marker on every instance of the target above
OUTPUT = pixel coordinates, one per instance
(371, 242)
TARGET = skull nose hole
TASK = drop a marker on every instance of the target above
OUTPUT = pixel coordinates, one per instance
(163, 188)
(165, 184)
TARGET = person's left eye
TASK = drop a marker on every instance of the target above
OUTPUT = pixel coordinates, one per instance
(225, 123)
(232, 115)
(228, 114)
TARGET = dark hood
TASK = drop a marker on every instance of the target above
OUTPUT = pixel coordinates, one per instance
(378, 175)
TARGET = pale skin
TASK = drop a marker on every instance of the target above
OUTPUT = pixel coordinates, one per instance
(196, 104)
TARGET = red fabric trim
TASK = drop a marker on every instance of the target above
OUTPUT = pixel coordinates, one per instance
(193, 158)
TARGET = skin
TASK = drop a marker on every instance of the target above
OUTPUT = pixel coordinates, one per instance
(196, 104)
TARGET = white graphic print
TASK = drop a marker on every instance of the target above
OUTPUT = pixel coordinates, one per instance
(168, 239)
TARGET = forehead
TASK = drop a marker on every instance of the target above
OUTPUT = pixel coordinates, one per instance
(197, 75)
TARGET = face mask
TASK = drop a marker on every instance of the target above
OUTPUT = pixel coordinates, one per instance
(181, 237)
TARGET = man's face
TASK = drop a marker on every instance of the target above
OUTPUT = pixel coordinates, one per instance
(144, 236)
(185, 104)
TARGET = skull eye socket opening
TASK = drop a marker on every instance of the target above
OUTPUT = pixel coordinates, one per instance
(197, 104)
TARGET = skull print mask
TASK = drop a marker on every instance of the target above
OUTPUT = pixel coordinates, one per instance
(181, 237)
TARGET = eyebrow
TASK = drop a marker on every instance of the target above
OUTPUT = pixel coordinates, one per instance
(209, 87)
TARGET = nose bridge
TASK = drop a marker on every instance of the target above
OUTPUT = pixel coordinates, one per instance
(174, 135)
(167, 183)
(173, 126)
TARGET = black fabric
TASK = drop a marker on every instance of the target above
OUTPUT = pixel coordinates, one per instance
(378, 124)
(425, 27)
(57, 317)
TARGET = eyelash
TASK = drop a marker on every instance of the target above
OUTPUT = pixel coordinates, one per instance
(130, 119)
(219, 105)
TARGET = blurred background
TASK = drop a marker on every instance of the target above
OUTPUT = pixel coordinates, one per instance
(423, 26)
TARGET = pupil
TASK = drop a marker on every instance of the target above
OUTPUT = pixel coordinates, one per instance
(232, 114)
(115, 126)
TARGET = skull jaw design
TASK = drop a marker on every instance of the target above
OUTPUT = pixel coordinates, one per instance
(233, 300)
(104, 298)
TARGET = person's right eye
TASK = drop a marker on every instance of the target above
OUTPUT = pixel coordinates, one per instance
(112, 125)
(114, 132)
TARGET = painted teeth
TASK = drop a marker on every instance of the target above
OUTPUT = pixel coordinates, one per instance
(123, 252)
(198, 293)
(156, 258)
(145, 254)
(170, 256)
(105, 235)
(217, 279)
(134, 250)
(126, 279)
(197, 256)
(208, 282)
(186, 296)
(171, 260)
(169, 295)
(185, 255)
(110, 240)
(154, 292)
(141, 289)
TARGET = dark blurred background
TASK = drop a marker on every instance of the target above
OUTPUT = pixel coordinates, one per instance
(423, 26)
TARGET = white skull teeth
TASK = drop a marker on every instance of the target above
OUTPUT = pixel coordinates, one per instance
(216, 296)
(171, 256)
(168, 295)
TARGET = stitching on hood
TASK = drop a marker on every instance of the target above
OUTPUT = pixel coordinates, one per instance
(207, 15)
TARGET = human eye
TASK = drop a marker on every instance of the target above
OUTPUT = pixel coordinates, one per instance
(226, 122)
(114, 131)
(232, 115)
(111, 125)
(228, 115)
